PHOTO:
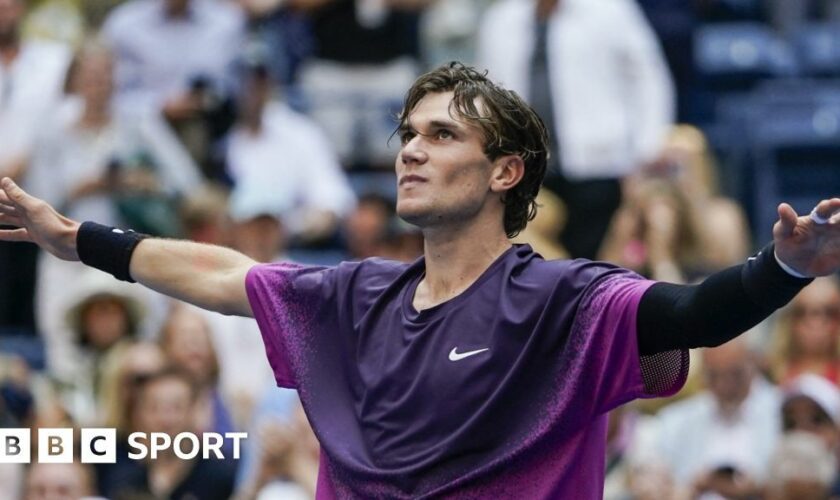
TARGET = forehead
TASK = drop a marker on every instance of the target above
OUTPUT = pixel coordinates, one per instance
(439, 107)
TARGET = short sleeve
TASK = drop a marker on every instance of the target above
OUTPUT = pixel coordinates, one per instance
(605, 326)
(286, 298)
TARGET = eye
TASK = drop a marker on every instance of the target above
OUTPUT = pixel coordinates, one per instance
(406, 136)
(444, 134)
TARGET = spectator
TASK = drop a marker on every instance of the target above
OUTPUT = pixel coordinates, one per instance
(807, 332)
(654, 233)
(543, 233)
(366, 56)
(165, 402)
(85, 160)
(187, 343)
(257, 229)
(96, 163)
(721, 225)
(71, 481)
(364, 227)
(266, 151)
(159, 69)
(812, 404)
(801, 468)
(31, 77)
(204, 215)
(595, 74)
(105, 318)
(722, 438)
(137, 361)
(284, 32)
(288, 459)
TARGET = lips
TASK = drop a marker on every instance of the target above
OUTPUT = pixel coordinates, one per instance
(411, 178)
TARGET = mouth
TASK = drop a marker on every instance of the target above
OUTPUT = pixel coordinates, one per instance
(411, 179)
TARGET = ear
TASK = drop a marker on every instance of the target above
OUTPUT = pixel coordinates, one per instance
(507, 173)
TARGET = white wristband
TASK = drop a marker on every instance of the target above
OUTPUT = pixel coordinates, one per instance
(787, 268)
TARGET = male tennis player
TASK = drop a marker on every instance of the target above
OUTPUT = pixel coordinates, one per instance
(480, 370)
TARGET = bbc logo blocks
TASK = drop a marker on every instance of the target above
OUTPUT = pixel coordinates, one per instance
(99, 445)
(57, 446)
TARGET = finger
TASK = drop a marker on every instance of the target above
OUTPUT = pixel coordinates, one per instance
(14, 235)
(787, 219)
(10, 220)
(825, 210)
(4, 198)
(17, 196)
(8, 209)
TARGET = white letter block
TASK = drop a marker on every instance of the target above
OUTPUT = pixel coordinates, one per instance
(15, 445)
(55, 446)
(99, 446)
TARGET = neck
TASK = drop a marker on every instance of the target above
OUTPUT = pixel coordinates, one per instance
(179, 11)
(545, 8)
(95, 115)
(9, 48)
(455, 258)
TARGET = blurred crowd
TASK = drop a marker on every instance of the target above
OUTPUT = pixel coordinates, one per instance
(266, 125)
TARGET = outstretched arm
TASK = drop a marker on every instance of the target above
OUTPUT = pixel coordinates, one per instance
(208, 276)
(729, 302)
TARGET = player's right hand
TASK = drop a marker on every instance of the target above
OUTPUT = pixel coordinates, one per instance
(34, 220)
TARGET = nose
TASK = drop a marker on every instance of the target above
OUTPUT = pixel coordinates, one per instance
(413, 153)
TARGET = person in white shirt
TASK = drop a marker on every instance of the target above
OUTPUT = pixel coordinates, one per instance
(597, 77)
(74, 166)
(272, 145)
(727, 433)
(31, 79)
(165, 48)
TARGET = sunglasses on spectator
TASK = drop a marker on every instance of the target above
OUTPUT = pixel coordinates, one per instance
(827, 312)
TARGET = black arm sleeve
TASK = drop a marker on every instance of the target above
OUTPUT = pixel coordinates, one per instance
(717, 310)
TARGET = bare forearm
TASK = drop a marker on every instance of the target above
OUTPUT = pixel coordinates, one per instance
(209, 276)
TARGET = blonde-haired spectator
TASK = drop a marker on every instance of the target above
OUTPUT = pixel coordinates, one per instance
(807, 333)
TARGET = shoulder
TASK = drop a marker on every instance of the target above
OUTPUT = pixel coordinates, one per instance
(372, 273)
(283, 120)
(223, 15)
(368, 273)
(49, 48)
(128, 14)
(576, 273)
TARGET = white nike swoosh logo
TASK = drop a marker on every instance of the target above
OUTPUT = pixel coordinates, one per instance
(456, 356)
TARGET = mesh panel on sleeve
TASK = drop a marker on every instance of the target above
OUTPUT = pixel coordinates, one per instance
(664, 373)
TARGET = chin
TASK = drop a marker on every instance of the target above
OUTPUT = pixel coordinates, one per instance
(413, 213)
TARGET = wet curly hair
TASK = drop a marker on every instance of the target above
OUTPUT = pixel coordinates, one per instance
(509, 125)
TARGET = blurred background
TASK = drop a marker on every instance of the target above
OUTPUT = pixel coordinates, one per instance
(677, 127)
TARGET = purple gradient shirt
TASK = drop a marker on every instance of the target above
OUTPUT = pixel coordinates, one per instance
(499, 392)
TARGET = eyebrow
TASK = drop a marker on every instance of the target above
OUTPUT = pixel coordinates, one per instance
(434, 124)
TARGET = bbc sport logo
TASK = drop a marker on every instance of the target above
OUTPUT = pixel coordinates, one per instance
(99, 445)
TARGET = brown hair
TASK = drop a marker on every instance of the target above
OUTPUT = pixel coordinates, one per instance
(509, 125)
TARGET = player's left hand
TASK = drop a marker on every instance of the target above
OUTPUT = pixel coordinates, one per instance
(809, 244)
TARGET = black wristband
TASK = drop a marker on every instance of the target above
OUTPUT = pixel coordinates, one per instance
(766, 283)
(107, 249)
